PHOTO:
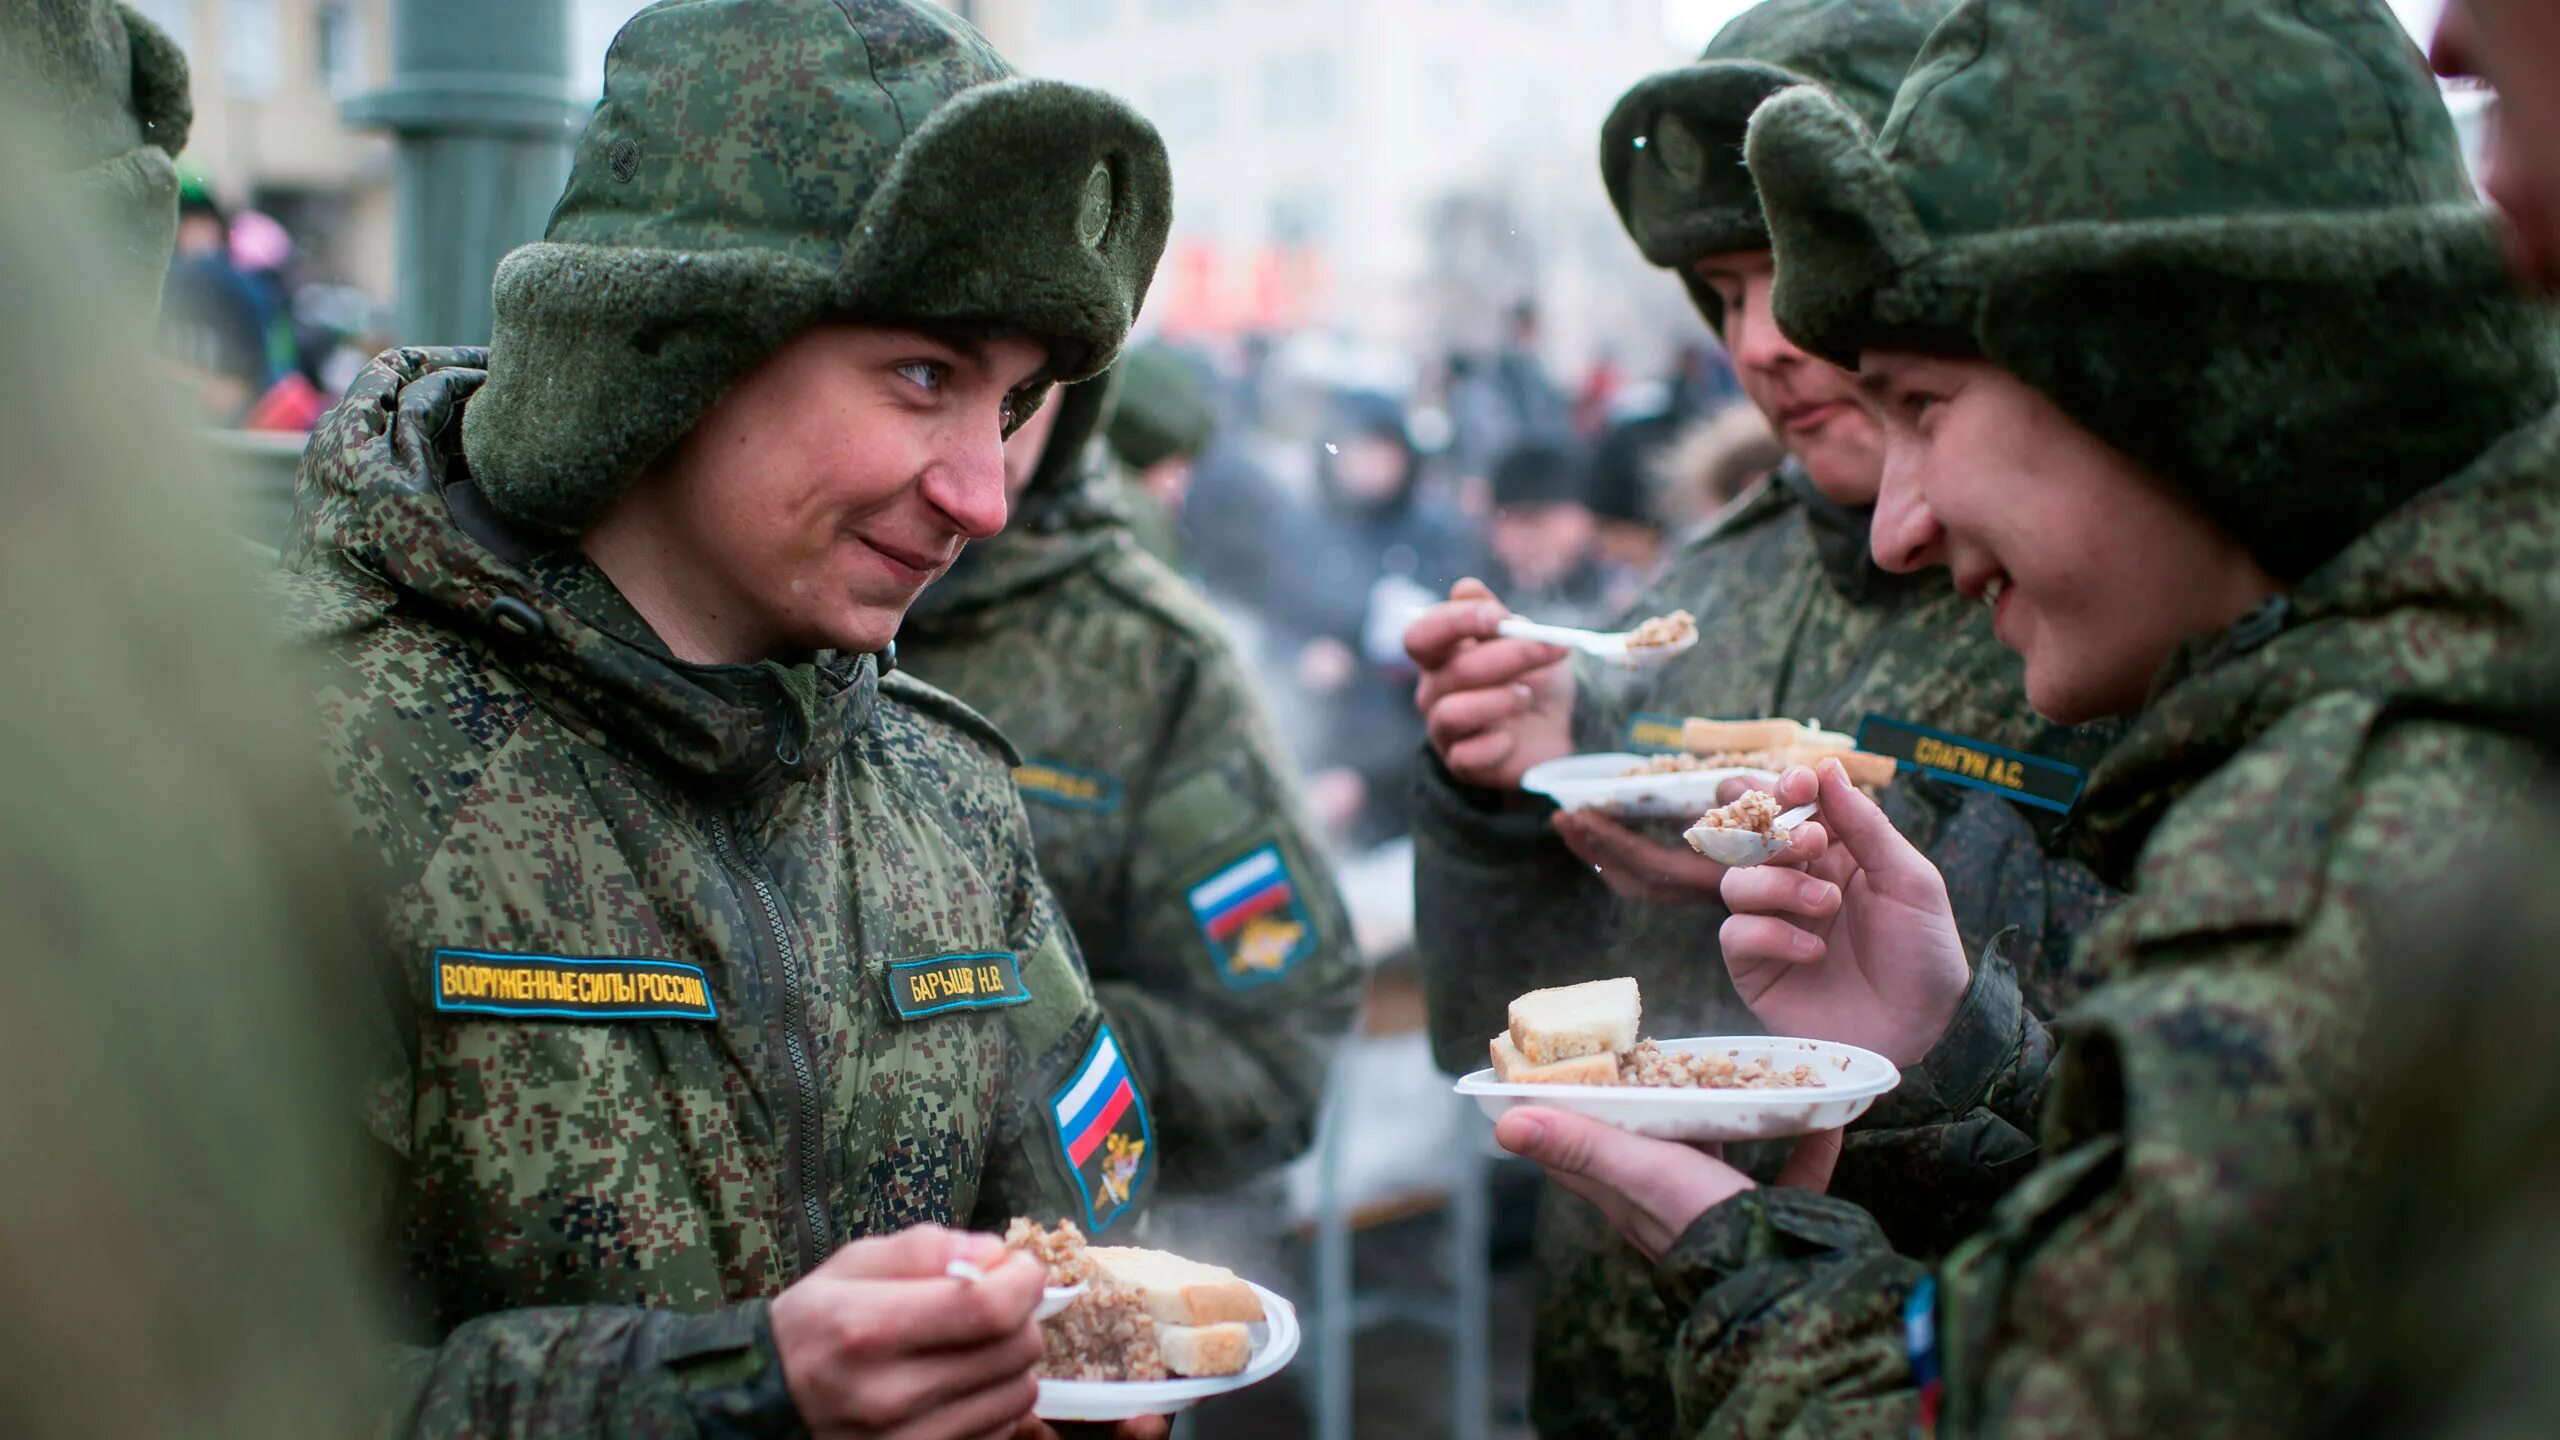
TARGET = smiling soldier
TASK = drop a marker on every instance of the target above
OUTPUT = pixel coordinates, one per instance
(717, 974)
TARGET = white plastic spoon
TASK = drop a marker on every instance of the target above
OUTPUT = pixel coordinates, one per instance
(1615, 645)
(1053, 1298)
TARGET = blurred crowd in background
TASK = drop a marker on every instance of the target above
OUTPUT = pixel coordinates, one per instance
(258, 344)
(1323, 514)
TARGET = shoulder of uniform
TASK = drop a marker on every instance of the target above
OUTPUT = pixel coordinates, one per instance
(940, 709)
(396, 675)
(1154, 593)
(2319, 809)
(325, 602)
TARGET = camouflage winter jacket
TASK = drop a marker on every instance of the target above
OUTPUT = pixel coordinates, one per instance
(1795, 619)
(1166, 814)
(2171, 1266)
(688, 974)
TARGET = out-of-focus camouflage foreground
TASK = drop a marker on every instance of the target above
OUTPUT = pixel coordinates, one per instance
(1152, 776)
(177, 1203)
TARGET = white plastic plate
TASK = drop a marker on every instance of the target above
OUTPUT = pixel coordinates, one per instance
(1601, 782)
(1274, 1342)
(1851, 1080)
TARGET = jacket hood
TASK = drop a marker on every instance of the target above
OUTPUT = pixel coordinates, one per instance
(386, 516)
(2446, 610)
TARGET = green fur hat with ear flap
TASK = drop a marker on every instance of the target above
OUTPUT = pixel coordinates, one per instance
(1671, 150)
(115, 87)
(2232, 238)
(760, 166)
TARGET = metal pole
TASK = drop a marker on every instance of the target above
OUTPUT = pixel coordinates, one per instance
(486, 114)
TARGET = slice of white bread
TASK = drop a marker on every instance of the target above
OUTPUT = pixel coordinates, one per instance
(1177, 1291)
(1717, 737)
(1597, 1017)
(1789, 743)
(1202, 1350)
(1871, 770)
(1510, 1067)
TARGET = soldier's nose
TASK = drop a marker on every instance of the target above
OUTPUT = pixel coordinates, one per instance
(969, 488)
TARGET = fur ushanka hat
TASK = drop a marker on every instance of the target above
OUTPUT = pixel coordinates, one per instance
(2232, 238)
(760, 166)
(1671, 149)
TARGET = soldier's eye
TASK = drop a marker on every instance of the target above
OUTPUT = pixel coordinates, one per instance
(927, 375)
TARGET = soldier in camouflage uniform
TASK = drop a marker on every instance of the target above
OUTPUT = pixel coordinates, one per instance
(1161, 419)
(715, 967)
(2205, 281)
(1166, 815)
(177, 1246)
(1795, 619)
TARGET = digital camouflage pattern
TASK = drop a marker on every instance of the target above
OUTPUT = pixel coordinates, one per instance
(1795, 620)
(177, 1248)
(2172, 1266)
(1150, 770)
(590, 1212)
(758, 166)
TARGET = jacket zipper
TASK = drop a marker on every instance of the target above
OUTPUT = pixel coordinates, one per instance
(810, 1179)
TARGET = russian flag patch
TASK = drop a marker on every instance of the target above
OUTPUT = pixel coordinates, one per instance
(1250, 914)
(1104, 1132)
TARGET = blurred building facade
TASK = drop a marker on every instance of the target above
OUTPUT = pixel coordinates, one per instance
(1398, 172)
(268, 77)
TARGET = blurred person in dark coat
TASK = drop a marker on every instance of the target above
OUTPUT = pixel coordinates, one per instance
(1546, 538)
(1375, 550)
(1505, 399)
(213, 320)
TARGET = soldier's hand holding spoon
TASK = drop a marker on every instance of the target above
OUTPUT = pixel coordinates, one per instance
(1492, 706)
(880, 1341)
